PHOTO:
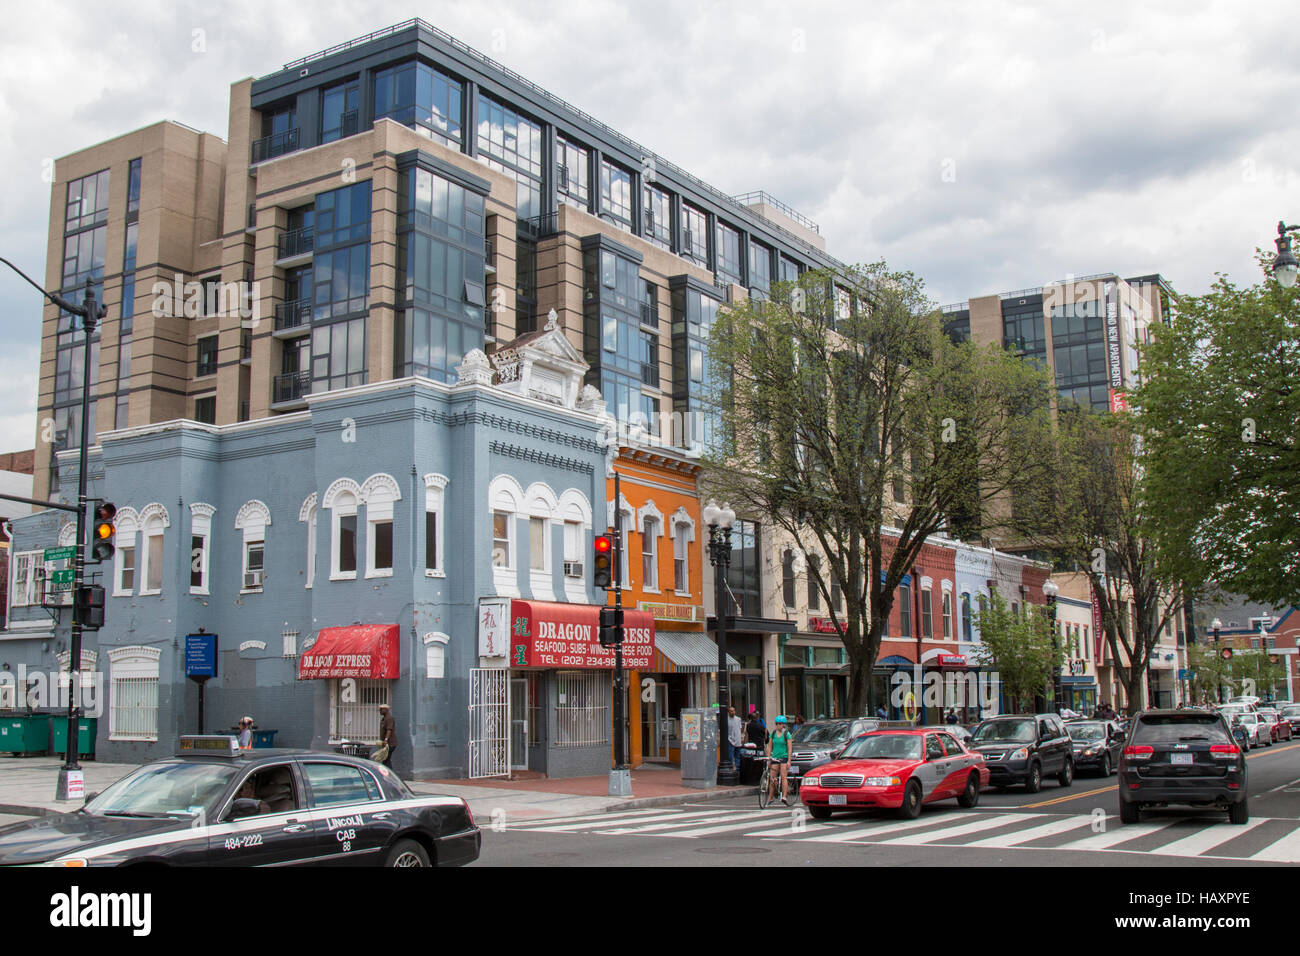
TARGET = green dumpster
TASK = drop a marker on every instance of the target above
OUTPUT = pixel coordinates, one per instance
(25, 734)
(86, 729)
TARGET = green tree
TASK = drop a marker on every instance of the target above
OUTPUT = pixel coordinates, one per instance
(1020, 647)
(836, 394)
(1089, 514)
(1210, 672)
(1255, 673)
(1219, 415)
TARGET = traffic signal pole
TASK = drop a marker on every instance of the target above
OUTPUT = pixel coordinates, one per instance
(620, 757)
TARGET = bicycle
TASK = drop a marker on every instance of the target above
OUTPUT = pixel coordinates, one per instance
(792, 784)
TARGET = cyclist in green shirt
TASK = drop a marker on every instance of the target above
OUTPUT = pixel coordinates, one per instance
(778, 749)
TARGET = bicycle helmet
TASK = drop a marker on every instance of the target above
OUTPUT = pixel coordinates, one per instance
(781, 720)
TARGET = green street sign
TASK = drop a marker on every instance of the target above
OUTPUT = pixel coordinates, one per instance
(60, 554)
(66, 576)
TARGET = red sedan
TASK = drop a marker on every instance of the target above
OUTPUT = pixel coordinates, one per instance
(897, 769)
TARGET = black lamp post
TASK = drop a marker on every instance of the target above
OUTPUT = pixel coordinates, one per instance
(719, 521)
(90, 312)
(1050, 590)
(1285, 265)
(1214, 626)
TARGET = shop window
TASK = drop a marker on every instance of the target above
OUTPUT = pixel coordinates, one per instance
(133, 695)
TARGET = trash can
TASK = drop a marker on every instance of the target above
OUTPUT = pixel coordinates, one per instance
(263, 738)
(86, 730)
(27, 734)
(751, 768)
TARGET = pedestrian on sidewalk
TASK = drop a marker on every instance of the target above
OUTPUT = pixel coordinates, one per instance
(735, 737)
(246, 733)
(387, 733)
(756, 732)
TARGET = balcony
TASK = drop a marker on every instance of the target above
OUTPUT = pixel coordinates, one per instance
(277, 144)
(290, 389)
(292, 317)
(294, 247)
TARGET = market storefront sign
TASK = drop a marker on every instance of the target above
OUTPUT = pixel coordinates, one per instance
(683, 613)
(551, 634)
(824, 625)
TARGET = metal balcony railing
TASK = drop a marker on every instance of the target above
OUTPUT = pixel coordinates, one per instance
(295, 242)
(277, 144)
(291, 387)
(292, 314)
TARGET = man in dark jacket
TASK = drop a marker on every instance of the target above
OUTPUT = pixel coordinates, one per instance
(387, 732)
(756, 732)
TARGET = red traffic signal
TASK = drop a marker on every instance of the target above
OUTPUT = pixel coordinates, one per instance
(1227, 653)
(600, 568)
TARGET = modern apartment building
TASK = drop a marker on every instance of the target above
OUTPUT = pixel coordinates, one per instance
(377, 210)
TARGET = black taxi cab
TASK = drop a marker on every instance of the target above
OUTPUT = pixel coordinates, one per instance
(216, 805)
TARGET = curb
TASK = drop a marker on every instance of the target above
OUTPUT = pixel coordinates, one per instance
(674, 799)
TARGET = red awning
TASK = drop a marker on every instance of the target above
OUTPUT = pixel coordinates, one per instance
(552, 634)
(361, 650)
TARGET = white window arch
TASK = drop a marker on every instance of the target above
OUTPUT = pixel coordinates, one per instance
(343, 499)
(154, 521)
(683, 532)
(542, 508)
(435, 494)
(126, 561)
(435, 655)
(628, 514)
(506, 503)
(67, 535)
(253, 518)
(200, 545)
(307, 515)
(133, 695)
(573, 514)
(379, 492)
(650, 524)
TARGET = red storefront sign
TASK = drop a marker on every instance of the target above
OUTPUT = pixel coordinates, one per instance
(824, 625)
(952, 660)
(551, 634)
(360, 651)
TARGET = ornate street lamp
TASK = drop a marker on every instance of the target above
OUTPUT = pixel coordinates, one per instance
(719, 522)
(1285, 265)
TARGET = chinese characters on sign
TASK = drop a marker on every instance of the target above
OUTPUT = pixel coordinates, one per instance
(493, 628)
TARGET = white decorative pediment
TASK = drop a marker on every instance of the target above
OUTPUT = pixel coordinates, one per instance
(380, 488)
(681, 517)
(624, 506)
(155, 512)
(339, 487)
(474, 369)
(542, 365)
(127, 522)
(252, 515)
(67, 535)
(650, 510)
(308, 508)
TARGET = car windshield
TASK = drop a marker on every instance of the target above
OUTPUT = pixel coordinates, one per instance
(884, 747)
(1087, 731)
(1179, 728)
(1005, 732)
(166, 789)
(829, 733)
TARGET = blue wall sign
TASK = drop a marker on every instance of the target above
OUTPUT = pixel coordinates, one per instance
(200, 655)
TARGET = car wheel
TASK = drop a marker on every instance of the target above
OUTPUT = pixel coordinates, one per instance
(407, 853)
(1066, 776)
(1239, 812)
(1129, 813)
(970, 797)
(1105, 765)
(1034, 782)
(820, 813)
(911, 807)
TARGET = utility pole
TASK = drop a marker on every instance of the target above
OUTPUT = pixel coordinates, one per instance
(90, 312)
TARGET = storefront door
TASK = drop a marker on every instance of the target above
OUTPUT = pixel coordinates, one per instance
(655, 725)
(519, 713)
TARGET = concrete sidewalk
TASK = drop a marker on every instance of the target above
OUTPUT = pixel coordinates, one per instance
(27, 788)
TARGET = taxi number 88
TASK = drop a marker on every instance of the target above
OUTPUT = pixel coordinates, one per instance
(346, 837)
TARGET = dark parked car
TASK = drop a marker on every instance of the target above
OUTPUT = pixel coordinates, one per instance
(1185, 757)
(271, 807)
(1024, 749)
(1097, 744)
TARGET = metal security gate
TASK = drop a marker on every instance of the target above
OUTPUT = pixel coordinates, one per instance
(519, 714)
(489, 722)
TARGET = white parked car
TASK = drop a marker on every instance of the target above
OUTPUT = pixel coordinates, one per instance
(1259, 732)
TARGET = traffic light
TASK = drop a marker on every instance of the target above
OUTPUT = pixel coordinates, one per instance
(1227, 653)
(611, 626)
(102, 532)
(89, 608)
(600, 567)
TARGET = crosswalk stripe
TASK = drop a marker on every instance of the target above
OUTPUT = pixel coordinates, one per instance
(935, 836)
(609, 820)
(1060, 825)
(1204, 840)
(1120, 834)
(1285, 850)
(849, 834)
(684, 825)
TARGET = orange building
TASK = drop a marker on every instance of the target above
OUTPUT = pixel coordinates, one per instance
(662, 573)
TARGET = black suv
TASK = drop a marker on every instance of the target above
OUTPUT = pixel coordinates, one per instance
(1024, 748)
(1182, 757)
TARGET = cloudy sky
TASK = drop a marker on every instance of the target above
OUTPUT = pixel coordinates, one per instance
(987, 146)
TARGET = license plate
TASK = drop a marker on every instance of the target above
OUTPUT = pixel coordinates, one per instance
(1180, 758)
(839, 800)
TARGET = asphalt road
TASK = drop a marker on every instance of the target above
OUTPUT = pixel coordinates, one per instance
(1059, 826)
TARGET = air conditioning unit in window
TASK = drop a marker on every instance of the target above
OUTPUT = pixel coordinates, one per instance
(573, 569)
(252, 579)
